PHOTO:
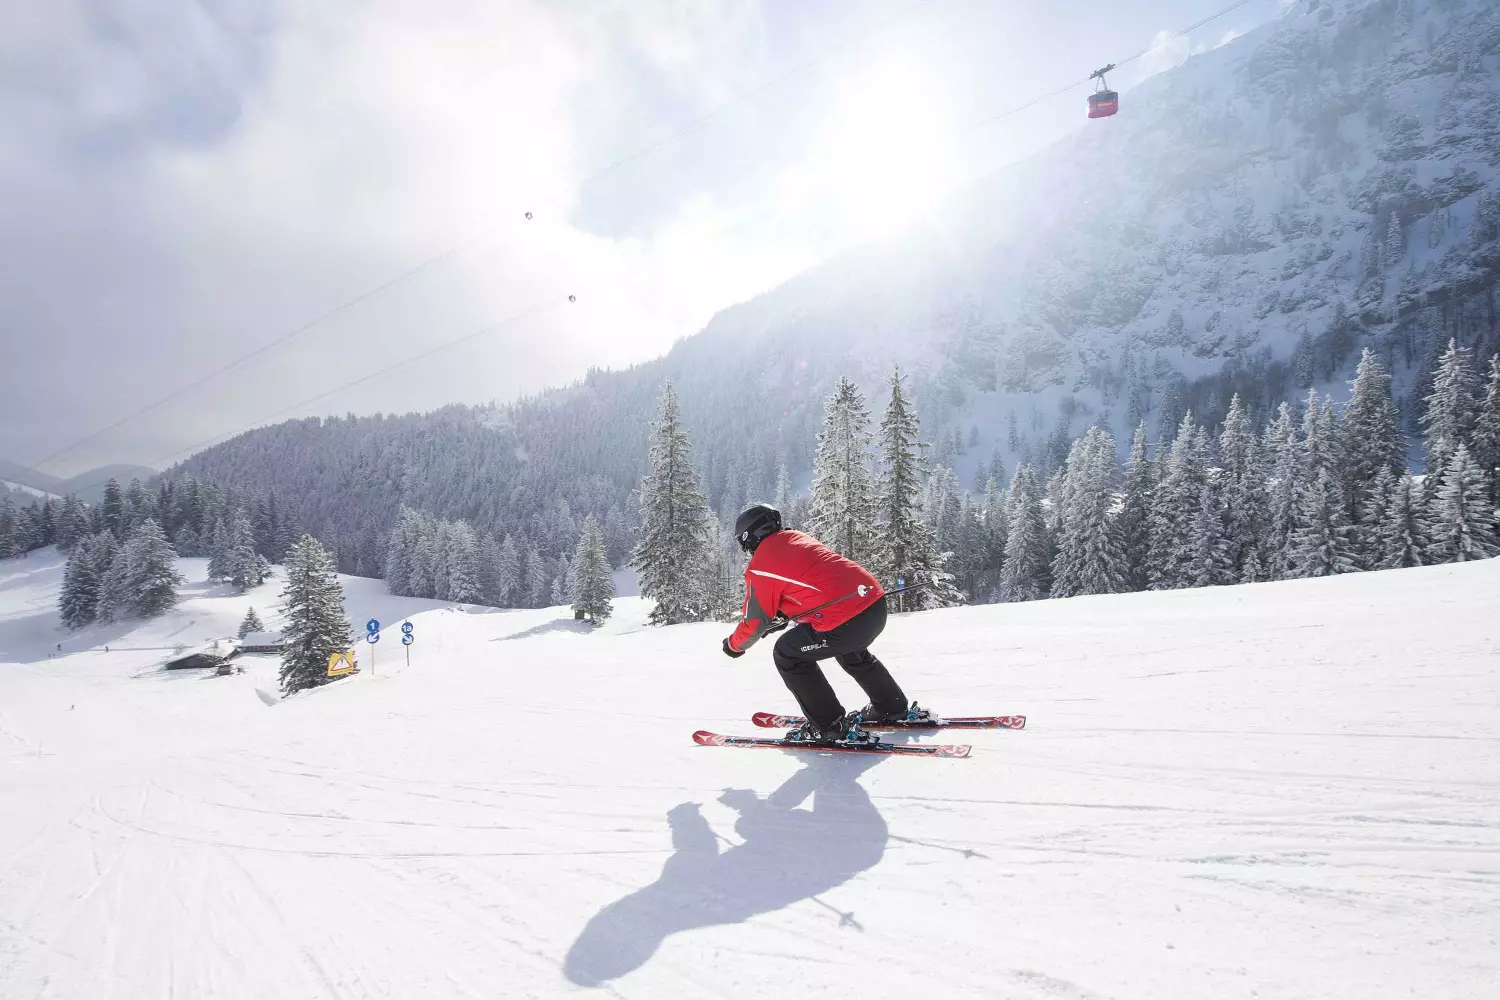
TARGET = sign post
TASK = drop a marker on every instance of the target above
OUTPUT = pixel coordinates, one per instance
(372, 636)
(900, 595)
(407, 638)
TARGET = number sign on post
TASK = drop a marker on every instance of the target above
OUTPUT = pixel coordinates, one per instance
(372, 636)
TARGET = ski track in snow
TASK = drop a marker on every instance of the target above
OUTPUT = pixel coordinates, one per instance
(1284, 790)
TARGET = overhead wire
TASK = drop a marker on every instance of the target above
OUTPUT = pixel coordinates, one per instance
(718, 231)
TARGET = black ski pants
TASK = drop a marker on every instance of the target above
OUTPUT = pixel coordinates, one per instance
(800, 648)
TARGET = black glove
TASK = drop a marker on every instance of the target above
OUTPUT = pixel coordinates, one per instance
(731, 652)
(777, 624)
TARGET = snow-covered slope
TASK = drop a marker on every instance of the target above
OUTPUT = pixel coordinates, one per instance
(23, 491)
(1282, 790)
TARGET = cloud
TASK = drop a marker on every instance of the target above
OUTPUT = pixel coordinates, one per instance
(200, 179)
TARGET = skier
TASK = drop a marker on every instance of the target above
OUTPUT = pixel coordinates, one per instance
(838, 608)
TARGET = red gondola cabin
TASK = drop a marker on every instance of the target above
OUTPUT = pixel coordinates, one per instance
(1103, 104)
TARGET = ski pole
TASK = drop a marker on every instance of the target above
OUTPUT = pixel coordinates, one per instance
(860, 591)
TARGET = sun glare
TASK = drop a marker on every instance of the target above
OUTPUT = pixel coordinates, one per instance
(884, 158)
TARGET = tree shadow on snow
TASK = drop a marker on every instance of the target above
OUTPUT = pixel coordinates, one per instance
(555, 625)
(787, 855)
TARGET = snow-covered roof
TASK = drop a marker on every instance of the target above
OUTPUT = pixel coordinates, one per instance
(261, 639)
(219, 649)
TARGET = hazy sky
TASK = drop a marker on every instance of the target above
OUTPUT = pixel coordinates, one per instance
(184, 181)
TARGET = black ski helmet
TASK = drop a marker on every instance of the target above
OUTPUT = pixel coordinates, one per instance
(755, 524)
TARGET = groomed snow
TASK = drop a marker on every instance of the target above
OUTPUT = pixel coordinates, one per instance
(1278, 791)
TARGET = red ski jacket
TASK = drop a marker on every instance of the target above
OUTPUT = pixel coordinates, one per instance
(792, 574)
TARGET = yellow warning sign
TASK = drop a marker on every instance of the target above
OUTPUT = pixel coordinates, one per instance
(341, 663)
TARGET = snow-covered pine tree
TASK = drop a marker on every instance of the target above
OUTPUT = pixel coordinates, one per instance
(538, 582)
(842, 509)
(151, 571)
(562, 591)
(508, 575)
(996, 527)
(905, 546)
(1174, 507)
(218, 551)
(1371, 437)
(592, 587)
(1487, 432)
(1395, 241)
(112, 509)
(244, 567)
(441, 533)
(1244, 507)
(79, 598)
(1090, 558)
(1403, 530)
(26, 532)
(675, 541)
(72, 524)
(8, 547)
(1449, 419)
(1319, 444)
(1211, 561)
(1134, 522)
(1284, 488)
(1322, 543)
(723, 588)
(944, 511)
(398, 553)
(1462, 518)
(1372, 512)
(463, 565)
(1025, 573)
(487, 566)
(1303, 363)
(1235, 440)
(138, 505)
(422, 558)
(186, 541)
(114, 585)
(313, 614)
(783, 489)
(968, 560)
(250, 623)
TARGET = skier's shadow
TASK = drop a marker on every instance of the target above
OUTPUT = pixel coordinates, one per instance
(787, 855)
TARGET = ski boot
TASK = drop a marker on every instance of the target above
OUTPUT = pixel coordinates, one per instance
(914, 714)
(844, 729)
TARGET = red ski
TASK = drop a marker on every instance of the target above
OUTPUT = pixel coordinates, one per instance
(770, 720)
(705, 738)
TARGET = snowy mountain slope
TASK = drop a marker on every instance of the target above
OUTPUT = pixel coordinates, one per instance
(23, 492)
(1331, 176)
(89, 486)
(1247, 223)
(1281, 790)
